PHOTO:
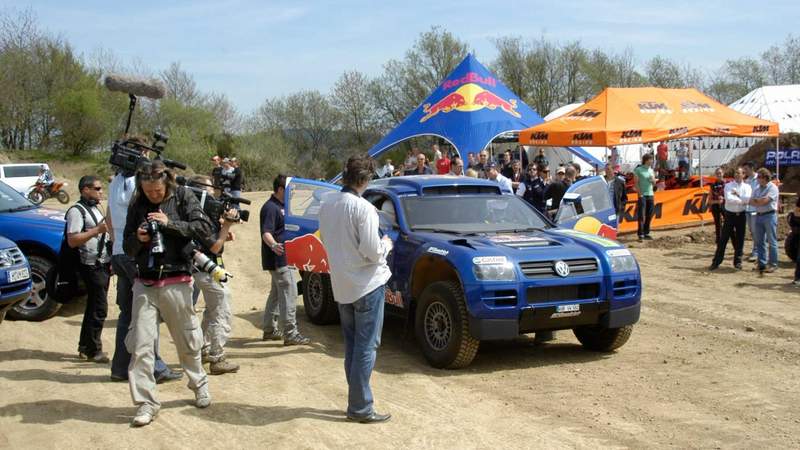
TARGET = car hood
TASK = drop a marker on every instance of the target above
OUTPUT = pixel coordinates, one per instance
(560, 243)
(37, 218)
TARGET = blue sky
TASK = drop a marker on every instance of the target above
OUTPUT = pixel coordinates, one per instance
(252, 50)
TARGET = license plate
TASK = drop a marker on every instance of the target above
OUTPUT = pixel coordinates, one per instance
(568, 308)
(18, 275)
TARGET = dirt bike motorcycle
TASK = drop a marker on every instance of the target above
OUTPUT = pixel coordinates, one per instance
(41, 192)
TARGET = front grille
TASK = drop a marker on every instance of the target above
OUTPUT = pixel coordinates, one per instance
(16, 255)
(15, 287)
(544, 269)
(544, 294)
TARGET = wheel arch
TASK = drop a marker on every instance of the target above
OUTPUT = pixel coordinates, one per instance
(33, 248)
(428, 269)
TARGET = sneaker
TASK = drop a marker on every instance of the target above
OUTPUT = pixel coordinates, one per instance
(119, 378)
(99, 357)
(297, 339)
(144, 415)
(222, 366)
(168, 375)
(273, 335)
(737, 266)
(647, 237)
(771, 269)
(202, 399)
(713, 267)
(752, 258)
(796, 283)
(641, 238)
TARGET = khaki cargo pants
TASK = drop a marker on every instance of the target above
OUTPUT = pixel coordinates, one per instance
(216, 324)
(173, 304)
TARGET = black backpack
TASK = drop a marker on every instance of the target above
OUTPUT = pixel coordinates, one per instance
(63, 280)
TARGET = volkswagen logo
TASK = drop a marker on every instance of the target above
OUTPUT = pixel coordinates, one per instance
(561, 268)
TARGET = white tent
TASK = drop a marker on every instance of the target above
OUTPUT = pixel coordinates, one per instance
(776, 103)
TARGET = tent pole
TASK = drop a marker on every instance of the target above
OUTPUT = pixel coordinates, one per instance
(700, 172)
(777, 159)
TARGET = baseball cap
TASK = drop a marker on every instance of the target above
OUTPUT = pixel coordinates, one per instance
(491, 165)
(561, 170)
(226, 160)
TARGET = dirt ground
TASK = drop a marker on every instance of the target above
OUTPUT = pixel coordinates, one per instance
(712, 363)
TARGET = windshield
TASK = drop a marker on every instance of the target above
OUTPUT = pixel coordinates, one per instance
(471, 214)
(11, 200)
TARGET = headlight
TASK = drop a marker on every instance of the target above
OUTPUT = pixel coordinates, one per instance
(621, 260)
(493, 268)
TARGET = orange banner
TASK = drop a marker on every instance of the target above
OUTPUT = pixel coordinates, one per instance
(673, 207)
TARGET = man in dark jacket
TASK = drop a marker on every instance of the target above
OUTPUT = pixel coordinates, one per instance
(616, 187)
(162, 221)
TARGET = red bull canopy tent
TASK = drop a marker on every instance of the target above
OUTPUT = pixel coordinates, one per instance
(469, 109)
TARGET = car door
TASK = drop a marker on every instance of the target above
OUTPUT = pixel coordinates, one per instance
(587, 206)
(389, 226)
(304, 249)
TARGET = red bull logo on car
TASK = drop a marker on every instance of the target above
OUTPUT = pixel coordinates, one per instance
(307, 253)
(467, 98)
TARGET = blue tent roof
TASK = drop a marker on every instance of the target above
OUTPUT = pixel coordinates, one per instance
(469, 109)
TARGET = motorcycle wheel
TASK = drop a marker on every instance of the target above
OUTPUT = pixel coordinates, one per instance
(36, 197)
(62, 196)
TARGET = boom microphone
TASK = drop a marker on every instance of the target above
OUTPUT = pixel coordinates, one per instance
(139, 87)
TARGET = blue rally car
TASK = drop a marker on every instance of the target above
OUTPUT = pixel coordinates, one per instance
(15, 276)
(37, 231)
(471, 264)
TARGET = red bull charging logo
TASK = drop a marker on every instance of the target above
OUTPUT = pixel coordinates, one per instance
(467, 98)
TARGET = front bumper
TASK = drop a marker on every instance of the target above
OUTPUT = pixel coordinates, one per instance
(540, 319)
(506, 310)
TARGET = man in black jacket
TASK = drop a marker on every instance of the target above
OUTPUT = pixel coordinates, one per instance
(162, 221)
(616, 187)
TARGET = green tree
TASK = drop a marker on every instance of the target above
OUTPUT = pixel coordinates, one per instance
(79, 116)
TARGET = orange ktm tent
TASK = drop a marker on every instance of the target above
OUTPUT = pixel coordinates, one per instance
(638, 115)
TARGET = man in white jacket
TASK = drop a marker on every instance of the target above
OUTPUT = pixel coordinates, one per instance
(357, 258)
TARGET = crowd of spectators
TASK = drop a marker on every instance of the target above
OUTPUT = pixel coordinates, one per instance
(512, 170)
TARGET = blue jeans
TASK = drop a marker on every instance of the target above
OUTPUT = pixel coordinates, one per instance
(362, 323)
(765, 233)
(751, 228)
(125, 270)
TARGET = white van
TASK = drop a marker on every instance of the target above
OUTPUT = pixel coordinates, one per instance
(21, 176)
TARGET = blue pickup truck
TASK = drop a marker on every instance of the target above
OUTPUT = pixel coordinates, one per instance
(471, 264)
(37, 232)
(15, 276)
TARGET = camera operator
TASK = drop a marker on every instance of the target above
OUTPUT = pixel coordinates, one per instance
(216, 324)
(120, 192)
(162, 221)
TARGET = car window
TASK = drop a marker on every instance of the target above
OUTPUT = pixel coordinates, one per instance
(11, 199)
(21, 171)
(471, 213)
(594, 197)
(304, 199)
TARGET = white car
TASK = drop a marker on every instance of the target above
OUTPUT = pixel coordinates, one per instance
(21, 177)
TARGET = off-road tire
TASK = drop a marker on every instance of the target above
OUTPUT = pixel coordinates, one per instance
(318, 300)
(36, 197)
(38, 308)
(601, 339)
(62, 196)
(442, 327)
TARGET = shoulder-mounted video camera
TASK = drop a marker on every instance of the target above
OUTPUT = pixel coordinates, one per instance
(127, 155)
(213, 207)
